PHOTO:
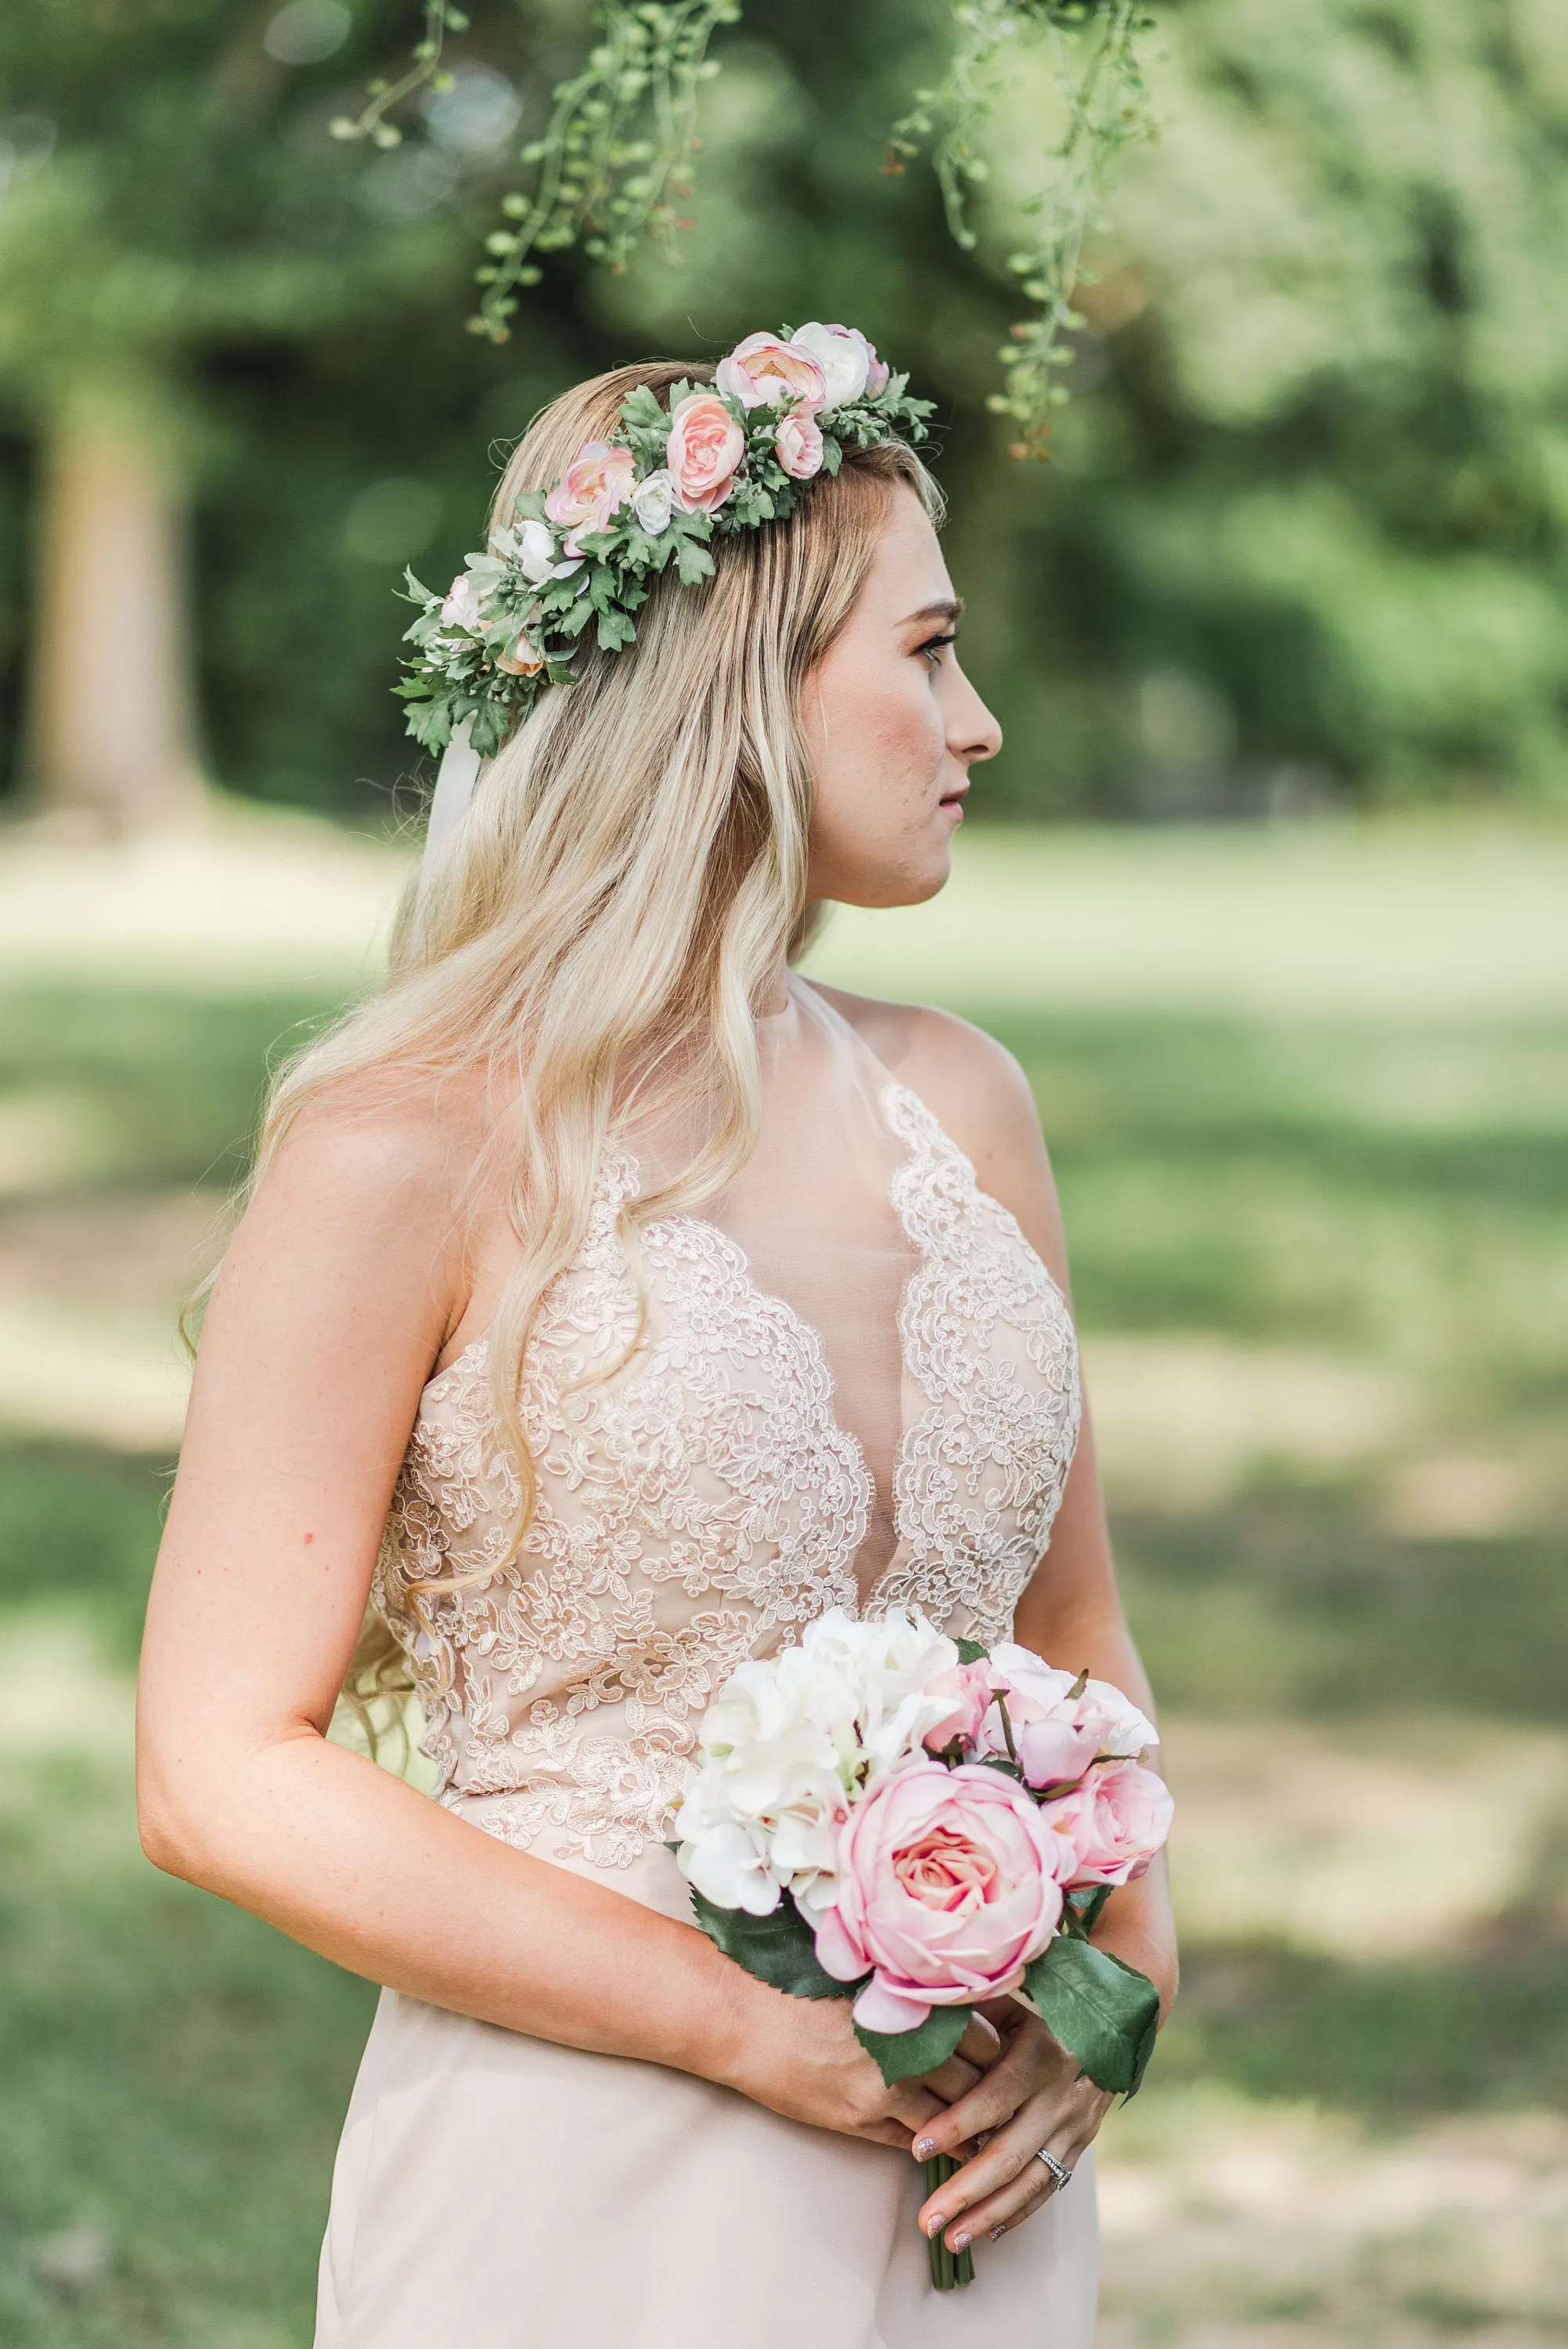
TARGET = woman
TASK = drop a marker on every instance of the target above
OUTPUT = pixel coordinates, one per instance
(637, 1301)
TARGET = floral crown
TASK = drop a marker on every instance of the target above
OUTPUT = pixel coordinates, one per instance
(782, 410)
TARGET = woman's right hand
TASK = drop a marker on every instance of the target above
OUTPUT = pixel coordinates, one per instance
(799, 2057)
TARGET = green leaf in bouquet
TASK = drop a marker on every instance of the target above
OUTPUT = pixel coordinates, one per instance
(904, 2054)
(1104, 2012)
(778, 1949)
(970, 1651)
(1086, 1906)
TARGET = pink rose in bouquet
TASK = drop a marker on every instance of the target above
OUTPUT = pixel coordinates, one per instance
(887, 1808)
(1115, 1822)
(1061, 1722)
(968, 1686)
(593, 488)
(704, 448)
(947, 1887)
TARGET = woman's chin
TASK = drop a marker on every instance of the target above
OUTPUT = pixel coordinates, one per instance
(932, 874)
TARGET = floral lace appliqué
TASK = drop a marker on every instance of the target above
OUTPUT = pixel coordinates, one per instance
(695, 1506)
(700, 1503)
(989, 1341)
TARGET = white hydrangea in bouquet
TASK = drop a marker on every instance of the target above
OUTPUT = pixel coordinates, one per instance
(889, 1815)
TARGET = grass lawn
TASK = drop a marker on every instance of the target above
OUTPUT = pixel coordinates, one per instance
(1308, 1098)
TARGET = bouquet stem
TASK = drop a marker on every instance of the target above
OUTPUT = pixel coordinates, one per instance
(948, 2269)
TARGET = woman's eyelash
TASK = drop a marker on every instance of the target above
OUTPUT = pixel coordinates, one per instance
(935, 644)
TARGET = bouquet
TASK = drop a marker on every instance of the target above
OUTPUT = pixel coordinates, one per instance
(889, 1815)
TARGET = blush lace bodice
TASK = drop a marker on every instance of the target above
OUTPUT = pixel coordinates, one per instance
(857, 1386)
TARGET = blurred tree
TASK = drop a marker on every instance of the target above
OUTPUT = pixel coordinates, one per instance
(1316, 516)
(155, 220)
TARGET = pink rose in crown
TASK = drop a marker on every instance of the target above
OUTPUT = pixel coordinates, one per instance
(797, 446)
(1114, 1823)
(593, 488)
(764, 372)
(969, 1688)
(704, 449)
(947, 1887)
(877, 373)
(522, 658)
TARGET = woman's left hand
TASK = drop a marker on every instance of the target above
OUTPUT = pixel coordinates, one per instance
(1034, 2097)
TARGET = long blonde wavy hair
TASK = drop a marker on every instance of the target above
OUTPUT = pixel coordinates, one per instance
(623, 893)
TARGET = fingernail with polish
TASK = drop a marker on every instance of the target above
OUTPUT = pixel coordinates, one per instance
(935, 2226)
(961, 2242)
(996, 2234)
(925, 2148)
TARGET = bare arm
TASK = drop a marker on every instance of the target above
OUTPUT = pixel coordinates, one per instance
(332, 1309)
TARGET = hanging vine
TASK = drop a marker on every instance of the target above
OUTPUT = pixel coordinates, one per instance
(615, 162)
(1093, 48)
(425, 71)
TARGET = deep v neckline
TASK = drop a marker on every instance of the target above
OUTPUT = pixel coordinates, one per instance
(812, 1340)
(621, 1171)
(924, 1143)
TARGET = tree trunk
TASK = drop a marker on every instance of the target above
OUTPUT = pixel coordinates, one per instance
(112, 732)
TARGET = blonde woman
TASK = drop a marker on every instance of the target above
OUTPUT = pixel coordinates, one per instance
(610, 1302)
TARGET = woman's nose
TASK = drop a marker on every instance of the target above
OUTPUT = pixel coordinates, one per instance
(973, 733)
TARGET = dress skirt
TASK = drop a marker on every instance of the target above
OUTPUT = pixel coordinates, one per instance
(494, 2191)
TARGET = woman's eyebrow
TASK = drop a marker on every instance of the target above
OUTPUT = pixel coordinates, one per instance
(946, 607)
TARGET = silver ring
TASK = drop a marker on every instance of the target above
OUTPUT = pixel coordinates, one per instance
(1059, 2169)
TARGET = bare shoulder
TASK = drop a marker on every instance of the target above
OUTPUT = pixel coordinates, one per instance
(977, 1092)
(406, 1146)
(367, 1188)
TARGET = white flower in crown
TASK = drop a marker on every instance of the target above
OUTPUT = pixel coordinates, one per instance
(654, 501)
(535, 551)
(462, 608)
(844, 356)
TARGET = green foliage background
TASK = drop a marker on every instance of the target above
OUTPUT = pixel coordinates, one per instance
(1304, 532)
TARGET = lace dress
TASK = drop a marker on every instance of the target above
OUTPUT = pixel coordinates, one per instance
(857, 1386)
